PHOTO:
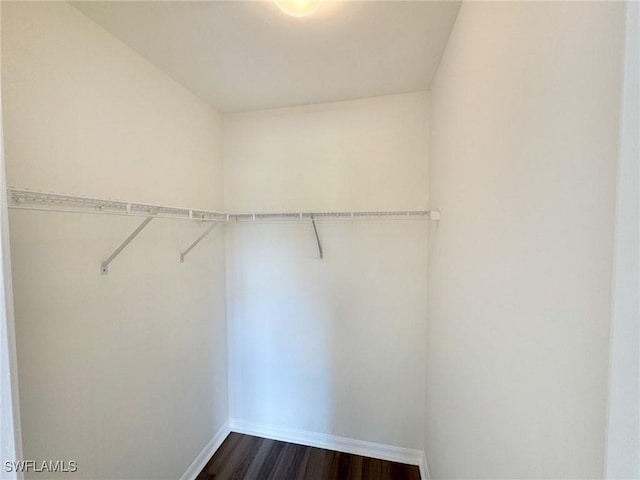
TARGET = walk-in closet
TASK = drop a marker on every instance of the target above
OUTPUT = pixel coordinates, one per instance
(319, 240)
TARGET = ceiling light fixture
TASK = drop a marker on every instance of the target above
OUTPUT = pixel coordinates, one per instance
(298, 8)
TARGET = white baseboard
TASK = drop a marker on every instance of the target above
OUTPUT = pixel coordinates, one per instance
(332, 442)
(207, 452)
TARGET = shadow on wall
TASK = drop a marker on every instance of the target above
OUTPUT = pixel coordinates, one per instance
(105, 360)
(279, 355)
(331, 346)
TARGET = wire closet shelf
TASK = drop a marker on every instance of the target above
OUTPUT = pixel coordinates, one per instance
(25, 199)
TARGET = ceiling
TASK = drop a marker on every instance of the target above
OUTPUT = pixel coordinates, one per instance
(248, 55)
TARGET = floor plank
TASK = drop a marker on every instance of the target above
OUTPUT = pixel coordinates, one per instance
(245, 457)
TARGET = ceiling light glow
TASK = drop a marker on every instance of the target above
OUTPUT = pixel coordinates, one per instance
(298, 8)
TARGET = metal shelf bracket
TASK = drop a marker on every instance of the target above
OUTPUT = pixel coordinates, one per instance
(315, 230)
(104, 267)
(24, 199)
(197, 241)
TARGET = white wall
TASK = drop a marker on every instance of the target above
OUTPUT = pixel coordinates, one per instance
(524, 118)
(623, 432)
(10, 436)
(332, 346)
(124, 373)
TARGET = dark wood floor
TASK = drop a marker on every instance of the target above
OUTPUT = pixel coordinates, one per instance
(243, 457)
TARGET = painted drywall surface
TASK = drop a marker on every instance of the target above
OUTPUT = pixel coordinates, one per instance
(524, 117)
(332, 346)
(124, 373)
(623, 432)
(10, 438)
